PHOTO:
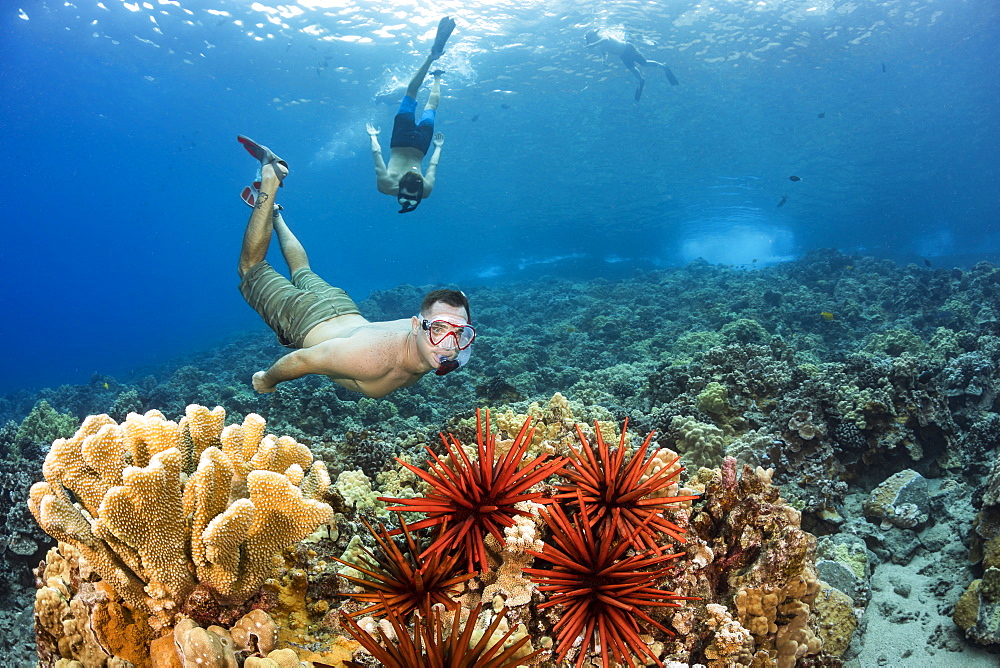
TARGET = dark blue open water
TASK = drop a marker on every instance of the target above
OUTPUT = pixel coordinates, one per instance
(121, 169)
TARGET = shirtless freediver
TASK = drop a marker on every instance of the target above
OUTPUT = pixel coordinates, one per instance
(323, 324)
(411, 139)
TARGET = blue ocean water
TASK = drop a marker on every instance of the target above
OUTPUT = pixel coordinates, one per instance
(118, 124)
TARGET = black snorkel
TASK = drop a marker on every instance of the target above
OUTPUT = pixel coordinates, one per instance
(410, 191)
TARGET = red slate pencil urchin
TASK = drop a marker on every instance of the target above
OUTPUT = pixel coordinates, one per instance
(617, 498)
(471, 499)
(428, 647)
(401, 584)
(602, 591)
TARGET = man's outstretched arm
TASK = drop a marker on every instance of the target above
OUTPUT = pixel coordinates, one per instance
(432, 164)
(293, 365)
(339, 359)
(381, 173)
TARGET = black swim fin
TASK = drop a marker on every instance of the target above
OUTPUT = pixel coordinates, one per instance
(638, 90)
(670, 76)
(445, 28)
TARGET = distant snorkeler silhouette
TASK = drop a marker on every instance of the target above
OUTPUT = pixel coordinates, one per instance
(629, 55)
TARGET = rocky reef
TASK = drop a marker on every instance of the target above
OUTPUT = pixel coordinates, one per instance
(836, 418)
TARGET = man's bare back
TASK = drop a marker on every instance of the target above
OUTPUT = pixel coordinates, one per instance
(374, 358)
(375, 353)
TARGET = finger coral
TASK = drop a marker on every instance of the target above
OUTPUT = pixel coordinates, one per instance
(159, 508)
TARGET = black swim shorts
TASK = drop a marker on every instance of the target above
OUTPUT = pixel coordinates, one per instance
(405, 129)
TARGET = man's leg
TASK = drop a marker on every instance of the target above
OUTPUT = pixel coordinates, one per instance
(292, 250)
(631, 57)
(435, 96)
(414, 87)
(257, 237)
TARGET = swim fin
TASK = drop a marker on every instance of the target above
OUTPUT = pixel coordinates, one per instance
(638, 90)
(264, 154)
(670, 76)
(445, 28)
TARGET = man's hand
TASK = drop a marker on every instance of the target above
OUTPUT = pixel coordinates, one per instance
(372, 130)
(438, 139)
(260, 385)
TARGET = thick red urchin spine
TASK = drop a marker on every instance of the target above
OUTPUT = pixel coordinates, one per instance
(401, 584)
(602, 591)
(472, 499)
(617, 498)
(428, 646)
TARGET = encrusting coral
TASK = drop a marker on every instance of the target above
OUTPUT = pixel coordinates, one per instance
(155, 528)
(749, 552)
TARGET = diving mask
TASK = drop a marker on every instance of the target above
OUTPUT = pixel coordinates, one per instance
(439, 330)
(444, 333)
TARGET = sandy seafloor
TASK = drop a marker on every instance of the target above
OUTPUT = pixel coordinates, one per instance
(907, 623)
(644, 347)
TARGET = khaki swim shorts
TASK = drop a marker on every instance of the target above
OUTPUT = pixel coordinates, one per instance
(292, 308)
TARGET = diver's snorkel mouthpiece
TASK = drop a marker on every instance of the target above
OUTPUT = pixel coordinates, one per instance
(447, 367)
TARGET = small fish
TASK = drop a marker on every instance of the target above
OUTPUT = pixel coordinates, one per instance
(475, 118)
(106, 386)
(925, 376)
(505, 106)
(784, 198)
(794, 178)
(827, 315)
(927, 262)
(883, 68)
(821, 114)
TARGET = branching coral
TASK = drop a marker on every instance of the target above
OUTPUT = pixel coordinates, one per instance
(121, 494)
(405, 583)
(470, 500)
(602, 591)
(622, 502)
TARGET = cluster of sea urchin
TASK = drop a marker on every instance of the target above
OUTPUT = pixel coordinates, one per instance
(604, 555)
(602, 586)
